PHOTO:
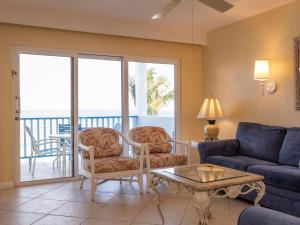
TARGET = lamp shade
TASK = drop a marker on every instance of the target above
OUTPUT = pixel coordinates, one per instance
(211, 109)
(261, 70)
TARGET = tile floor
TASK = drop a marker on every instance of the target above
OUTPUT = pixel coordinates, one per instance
(115, 204)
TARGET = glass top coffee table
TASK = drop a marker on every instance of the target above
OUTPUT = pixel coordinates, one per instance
(206, 181)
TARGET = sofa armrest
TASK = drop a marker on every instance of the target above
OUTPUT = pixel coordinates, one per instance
(223, 147)
(263, 216)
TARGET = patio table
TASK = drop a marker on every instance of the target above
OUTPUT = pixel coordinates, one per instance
(64, 139)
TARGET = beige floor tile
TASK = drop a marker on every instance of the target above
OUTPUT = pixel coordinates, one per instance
(220, 213)
(142, 224)
(40, 206)
(58, 194)
(13, 203)
(9, 194)
(50, 186)
(103, 222)
(117, 213)
(169, 202)
(130, 200)
(24, 192)
(75, 186)
(101, 197)
(111, 186)
(76, 209)
(18, 218)
(132, 188)
(150, 215)
(59, 220)
(236, 207)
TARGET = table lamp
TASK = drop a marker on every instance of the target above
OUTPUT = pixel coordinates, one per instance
(211, 110)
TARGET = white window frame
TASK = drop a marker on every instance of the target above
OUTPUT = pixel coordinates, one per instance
(75, 55)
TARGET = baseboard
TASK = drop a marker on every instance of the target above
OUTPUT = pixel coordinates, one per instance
(6, 185)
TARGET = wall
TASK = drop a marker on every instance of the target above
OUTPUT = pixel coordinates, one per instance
(228, 66)
(14, 35)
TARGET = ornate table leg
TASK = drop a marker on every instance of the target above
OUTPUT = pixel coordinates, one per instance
(154, 186)
(202, 204)
(261, 190)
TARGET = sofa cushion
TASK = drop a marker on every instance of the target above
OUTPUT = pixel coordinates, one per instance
(237, 162)
(263, 216)
(260, 141)
(290, 151)
(287, 177)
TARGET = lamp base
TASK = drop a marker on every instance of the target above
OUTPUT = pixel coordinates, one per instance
(211, 131)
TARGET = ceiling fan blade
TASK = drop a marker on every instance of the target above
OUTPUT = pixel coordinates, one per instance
(219, 5)
(164, 11)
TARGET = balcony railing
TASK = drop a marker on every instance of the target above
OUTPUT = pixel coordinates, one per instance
(43, 127)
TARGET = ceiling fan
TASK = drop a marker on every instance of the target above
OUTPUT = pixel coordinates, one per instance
(219, 5)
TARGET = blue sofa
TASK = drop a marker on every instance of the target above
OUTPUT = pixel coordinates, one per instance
(263, 216)
(271, 151)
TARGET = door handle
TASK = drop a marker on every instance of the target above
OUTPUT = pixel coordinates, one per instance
(18, 105)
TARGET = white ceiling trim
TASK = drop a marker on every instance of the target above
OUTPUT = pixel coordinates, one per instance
(97, 24)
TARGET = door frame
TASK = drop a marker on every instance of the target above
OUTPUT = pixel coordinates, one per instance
(75, 55)
(16, 51)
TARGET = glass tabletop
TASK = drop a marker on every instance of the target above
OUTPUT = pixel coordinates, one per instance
(205, 173)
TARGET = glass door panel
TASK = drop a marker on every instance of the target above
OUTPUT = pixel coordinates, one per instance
(100, 92)
(45, 117)
(151, 89)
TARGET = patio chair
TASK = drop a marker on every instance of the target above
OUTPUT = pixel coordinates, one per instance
(103, 159)
(158, 152)
(39, 148)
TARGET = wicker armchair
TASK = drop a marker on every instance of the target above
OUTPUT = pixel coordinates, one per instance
(158, 152)
(103, 159)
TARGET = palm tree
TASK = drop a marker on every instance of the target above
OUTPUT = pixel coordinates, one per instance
(158, 92)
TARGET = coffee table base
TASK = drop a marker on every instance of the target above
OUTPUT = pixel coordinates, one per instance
(202, 199)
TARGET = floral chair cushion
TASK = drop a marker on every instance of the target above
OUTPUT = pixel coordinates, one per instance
(104, 140)
(167, 160)
(113, 164)
(155, 136)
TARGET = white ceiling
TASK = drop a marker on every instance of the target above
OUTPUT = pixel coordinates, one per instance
(131, 17)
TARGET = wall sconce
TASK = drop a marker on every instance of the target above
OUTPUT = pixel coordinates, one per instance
(262, 76)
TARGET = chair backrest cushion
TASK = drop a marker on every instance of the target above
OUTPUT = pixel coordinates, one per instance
(260, 141)
(156, 137)
(104, 140)
(290, 151)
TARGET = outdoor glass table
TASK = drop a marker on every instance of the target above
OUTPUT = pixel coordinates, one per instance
(64, 140)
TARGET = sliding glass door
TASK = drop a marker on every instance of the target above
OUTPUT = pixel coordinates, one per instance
(100, 92)
(59, 95)
(44, 105)
(151, 88)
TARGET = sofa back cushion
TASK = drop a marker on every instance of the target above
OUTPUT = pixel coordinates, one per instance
(290, 151)
(156, 137)
(260, 141)
(104, 140)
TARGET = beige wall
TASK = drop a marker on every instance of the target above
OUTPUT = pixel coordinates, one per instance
(12, 35)
(228, 66)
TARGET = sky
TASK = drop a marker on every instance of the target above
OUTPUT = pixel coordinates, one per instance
(45, 85)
